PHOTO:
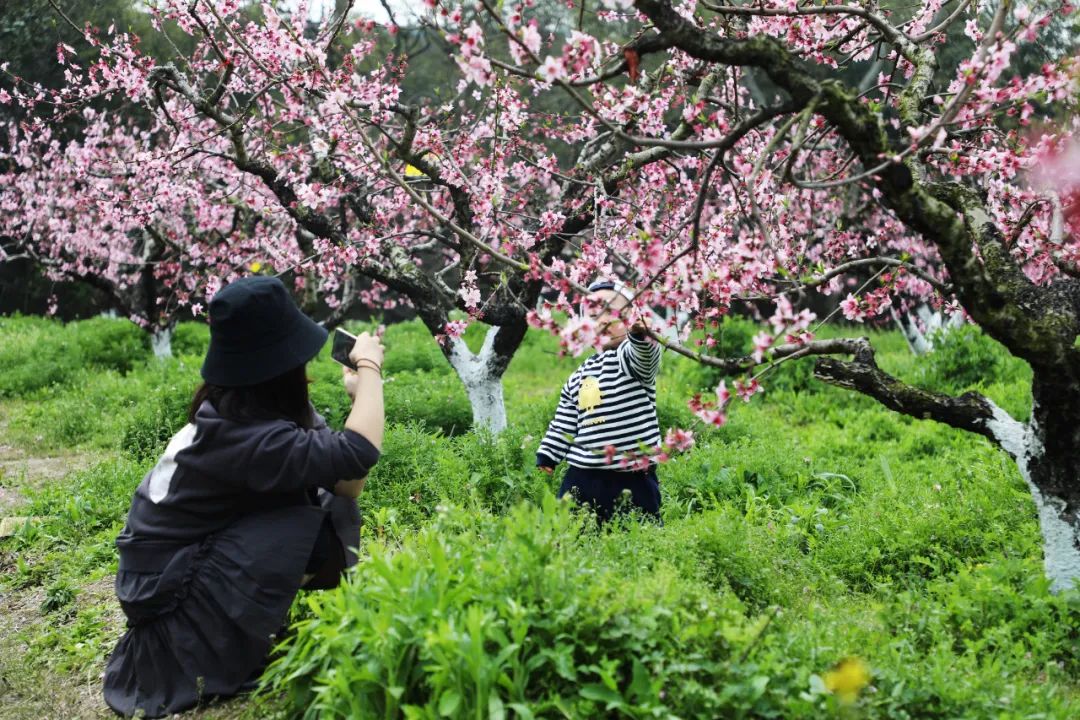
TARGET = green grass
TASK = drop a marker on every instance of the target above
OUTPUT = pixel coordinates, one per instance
(813, 526)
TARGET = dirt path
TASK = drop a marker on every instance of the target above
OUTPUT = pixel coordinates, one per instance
(32, 692)
(22, 470)
(24, 691)
(19, 473)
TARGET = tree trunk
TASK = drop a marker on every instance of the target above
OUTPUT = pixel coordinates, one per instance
(1049, 460)
(161, 341)
(486, 397)
(922, 324)
(481, 374)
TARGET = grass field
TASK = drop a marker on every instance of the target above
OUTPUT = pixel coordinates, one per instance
(814, 526)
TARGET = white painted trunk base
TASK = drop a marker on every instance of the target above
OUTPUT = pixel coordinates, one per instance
(920, 339)
(489, 409)
(482, 385)
(1061, 539)
(161, 342)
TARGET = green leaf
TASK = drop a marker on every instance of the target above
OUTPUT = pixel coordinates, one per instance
(449, 703)
(601, 693)
(522, 711)
(496, 711)
(639, 684)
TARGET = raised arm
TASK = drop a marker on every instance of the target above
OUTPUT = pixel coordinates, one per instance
(367, 416)
(639, 357)
(286, 458)
(321, 457)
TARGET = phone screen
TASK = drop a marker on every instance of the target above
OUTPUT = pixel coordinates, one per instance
(343, 343)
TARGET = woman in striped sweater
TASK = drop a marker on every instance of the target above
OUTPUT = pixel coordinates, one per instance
(606, 413)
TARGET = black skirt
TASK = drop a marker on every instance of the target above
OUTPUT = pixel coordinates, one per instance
(201, 620)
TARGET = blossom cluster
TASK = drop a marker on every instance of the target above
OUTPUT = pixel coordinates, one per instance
(290, 145)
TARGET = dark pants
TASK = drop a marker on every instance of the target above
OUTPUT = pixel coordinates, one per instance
(608, 492)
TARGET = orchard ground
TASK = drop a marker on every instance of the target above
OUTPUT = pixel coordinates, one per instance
(814, 526)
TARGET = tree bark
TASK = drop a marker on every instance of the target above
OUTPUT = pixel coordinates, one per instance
(482, 374)
(1049, 460)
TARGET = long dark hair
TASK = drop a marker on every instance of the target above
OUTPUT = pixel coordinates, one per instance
(283, 397)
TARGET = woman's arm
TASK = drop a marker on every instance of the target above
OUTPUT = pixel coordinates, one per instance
(367, 416)
(285, 457)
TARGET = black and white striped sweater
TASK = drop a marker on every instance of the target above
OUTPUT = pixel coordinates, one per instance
(609, 401)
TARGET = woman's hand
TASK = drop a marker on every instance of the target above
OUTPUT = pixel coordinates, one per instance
(367, 352)
(367, 347)
(350, 378)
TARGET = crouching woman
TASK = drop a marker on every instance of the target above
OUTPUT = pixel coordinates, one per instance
(253, 499)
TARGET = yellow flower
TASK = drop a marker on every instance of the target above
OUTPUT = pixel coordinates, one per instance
(412, 171)
(847, 679)
(255, 266)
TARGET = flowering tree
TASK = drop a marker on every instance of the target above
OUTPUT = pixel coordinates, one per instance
(716, 154)
(259, 149)
(927, 183)
(917, 175)
(942, 161)
(107, 210)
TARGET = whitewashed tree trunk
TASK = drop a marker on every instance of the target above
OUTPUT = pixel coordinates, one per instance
(161, 341)
(481, 374)
(1060, 531)
(921, 325)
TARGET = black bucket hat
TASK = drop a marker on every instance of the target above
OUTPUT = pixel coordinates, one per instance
(257, 333)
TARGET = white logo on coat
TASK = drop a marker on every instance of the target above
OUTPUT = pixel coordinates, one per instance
(162, 474)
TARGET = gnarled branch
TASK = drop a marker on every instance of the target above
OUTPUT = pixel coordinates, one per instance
(970, 411)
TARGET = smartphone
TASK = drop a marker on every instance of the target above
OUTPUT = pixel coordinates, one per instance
(343, 344)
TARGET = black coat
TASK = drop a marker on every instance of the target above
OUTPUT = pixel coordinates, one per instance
(213, 553)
